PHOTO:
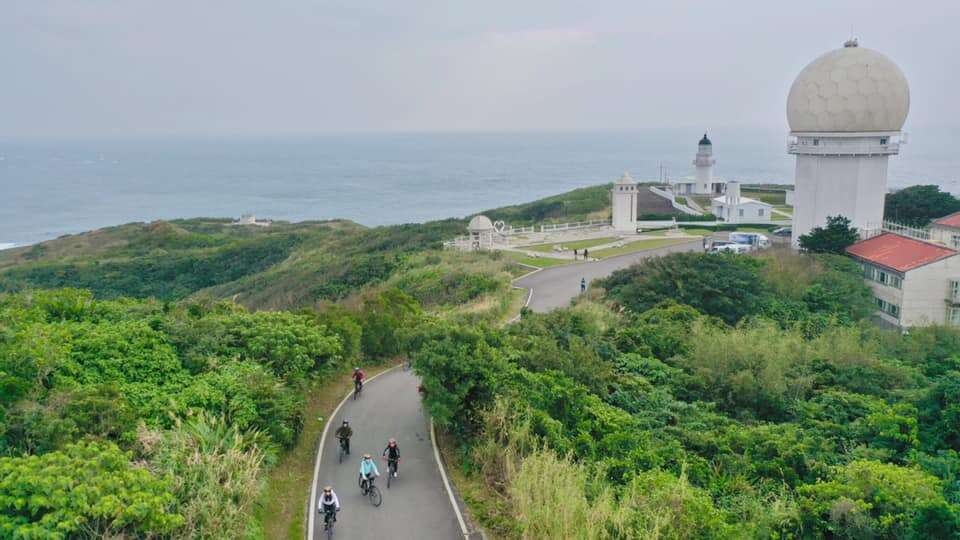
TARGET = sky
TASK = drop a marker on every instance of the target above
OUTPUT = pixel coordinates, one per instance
(80, 68)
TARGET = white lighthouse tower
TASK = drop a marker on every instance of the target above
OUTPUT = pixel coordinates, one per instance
(704, 163)
(624, 204)
(845, 110)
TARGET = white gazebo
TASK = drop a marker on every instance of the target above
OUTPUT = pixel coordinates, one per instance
(481, 231)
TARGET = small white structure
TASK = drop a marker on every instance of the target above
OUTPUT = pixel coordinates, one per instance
(481, 232)
(845, 111)
(624, 203)
(914, 283)
(733, 208)
(704, 183)
(946, 230)
(250, 219)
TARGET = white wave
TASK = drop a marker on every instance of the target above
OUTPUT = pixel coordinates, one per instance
(6, 245)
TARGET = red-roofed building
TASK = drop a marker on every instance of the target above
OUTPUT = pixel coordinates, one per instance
(946, 230)
(914, 282)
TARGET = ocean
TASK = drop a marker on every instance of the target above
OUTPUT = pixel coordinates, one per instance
(52, 187)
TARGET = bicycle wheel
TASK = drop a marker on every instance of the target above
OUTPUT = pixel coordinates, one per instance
(329, 527)
(341, 454)
(389, 477)
(375, 496)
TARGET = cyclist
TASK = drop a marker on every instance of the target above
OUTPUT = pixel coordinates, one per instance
(358, 377)
(329, 504)
(344, 432)
(392, 453)
(583, 285)
(368, 471)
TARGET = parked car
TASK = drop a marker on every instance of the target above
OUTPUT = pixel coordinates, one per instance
(782, 231)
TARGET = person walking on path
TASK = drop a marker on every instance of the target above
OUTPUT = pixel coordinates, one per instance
(575, 254)
(586, 254)
(583, 285)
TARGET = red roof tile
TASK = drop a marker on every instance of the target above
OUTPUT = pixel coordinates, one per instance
(899, 252)
(953, 220)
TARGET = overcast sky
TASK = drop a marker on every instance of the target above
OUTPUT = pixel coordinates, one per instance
(136, 67)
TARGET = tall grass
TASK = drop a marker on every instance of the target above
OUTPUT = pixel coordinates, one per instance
(214, 469)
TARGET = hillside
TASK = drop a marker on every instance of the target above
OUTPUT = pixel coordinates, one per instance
(286, 265)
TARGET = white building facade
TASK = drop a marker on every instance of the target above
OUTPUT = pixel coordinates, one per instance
(846, 110)
(734, 208)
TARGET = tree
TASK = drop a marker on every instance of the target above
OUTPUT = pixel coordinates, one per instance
(834, 238)
(85, 491)
(724, 285)
(918, 205)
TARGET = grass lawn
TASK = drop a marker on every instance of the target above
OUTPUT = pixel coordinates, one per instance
(579, 244)
(770, 197)
(282, 503)
(539, 262)
(639, 245)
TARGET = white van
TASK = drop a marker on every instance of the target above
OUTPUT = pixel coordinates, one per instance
(750, 238)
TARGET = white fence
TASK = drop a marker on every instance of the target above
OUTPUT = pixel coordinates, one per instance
(668, 194)
(576, 225)
(873, 229)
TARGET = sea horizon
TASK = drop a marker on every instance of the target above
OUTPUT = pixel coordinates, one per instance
(65, 185)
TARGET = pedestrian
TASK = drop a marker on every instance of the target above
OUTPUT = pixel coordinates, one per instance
(586, 255)
(583, 285)
(575, 254)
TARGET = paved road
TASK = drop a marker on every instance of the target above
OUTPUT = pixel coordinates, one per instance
(555, 287)
(416, 506)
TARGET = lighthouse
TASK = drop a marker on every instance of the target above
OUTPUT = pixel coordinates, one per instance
(704, 163)
(846, 110)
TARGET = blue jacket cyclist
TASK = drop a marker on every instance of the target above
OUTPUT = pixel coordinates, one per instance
(368, 468)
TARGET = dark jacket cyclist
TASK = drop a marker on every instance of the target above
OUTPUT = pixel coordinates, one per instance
(392, 453)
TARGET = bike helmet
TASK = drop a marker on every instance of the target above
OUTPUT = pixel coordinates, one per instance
(327, 489)
(392, 441)
(366, 456)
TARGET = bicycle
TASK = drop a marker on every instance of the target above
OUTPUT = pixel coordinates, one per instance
(357, 388)
(367, 489)
(329, 519)
(407, 365)
(391, 469)
(343, 449)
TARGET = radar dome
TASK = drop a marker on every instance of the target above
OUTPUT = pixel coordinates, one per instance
(852, 89)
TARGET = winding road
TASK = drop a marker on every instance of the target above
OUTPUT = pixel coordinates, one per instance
(417, 505)
(555, 287)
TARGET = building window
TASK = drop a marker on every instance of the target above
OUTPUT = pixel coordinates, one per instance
(882, 276)
(816, 142)
(953, 316)
(760, 212)
(883, 140)
(740, 211)
(889, 308)
(954, 290)
(955, 241)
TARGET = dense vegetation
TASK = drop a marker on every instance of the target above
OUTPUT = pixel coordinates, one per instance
(134, 418)
(577, 205)
(763, 407)
(919, 205)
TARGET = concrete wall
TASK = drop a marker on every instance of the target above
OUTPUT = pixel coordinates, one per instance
(944, 235)
(850, 186)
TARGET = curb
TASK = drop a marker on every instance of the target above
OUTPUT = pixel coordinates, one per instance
(446, 482)
(316, 465)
